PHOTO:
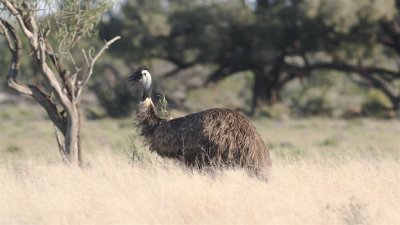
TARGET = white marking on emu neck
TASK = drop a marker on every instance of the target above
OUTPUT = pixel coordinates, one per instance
(146, 79)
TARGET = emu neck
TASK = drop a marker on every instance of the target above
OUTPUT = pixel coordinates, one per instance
(147, 117)
(147, 93)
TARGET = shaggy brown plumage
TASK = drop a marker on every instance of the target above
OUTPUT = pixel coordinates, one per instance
(213, 137)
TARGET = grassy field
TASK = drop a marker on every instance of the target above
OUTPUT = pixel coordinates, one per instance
(324, 172)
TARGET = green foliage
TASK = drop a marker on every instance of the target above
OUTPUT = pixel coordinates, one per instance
(4, 62)
(114, 96)
(278, 111)
(162, 107)
(315, 106)
(233, 92)
(244, 40)
(349, 28)
(237, 37)
(325, 94)
(75, 20)
(314, 95)
(65, 23)
(376, 104)
(343, 15)
(181, 31)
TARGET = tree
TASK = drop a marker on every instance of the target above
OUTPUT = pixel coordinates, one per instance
(361, 39)
(230, 37)
(277, 40)
(64, 82)
(346, 36)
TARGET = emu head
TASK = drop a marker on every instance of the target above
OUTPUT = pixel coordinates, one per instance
(142, 76)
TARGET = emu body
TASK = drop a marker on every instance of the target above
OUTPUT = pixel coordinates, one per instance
(215, 137)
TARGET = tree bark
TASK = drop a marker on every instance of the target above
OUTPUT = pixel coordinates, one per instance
(72, 138)
(266, 91)
(67, 90)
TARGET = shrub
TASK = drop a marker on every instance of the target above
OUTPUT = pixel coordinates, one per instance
(324, 94)
(277, 111)
(114, 94)
(376, 104)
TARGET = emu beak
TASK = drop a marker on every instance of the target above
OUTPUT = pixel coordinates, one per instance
(134, 77)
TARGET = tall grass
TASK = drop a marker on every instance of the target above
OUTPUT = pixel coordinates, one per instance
(324, 172)
(110, 190)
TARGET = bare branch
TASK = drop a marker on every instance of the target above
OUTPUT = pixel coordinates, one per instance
(62, 71)
(375, 76)
(49, 75)
(34, 23)
(35, 29)
(342, 66)
(91, 65)
(86, 58)
(30, 22)
(73, 61)
(91, 51)
(51, 109)
(18, 16)
(75, 75)
(15, 46)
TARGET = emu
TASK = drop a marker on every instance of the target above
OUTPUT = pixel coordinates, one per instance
(215, 137)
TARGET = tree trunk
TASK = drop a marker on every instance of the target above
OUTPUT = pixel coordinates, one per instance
(72, 138)
(61, 83)
(396, 106)
(265, 92)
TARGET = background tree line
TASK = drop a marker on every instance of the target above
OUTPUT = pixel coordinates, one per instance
(276, 44)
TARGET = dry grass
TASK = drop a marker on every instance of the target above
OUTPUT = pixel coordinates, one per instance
(324, 172)
(112, 191)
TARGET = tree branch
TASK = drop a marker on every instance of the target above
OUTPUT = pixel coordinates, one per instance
(51, 79)
(10, 6)
(15, 47)
(342, 66)
(30, 23)
(62, 71)
(29, 26)
(91, 62)
(178, 69)
(368, 73)
(221, 73)
(383, 86)
(30, 29)
(389, 35)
